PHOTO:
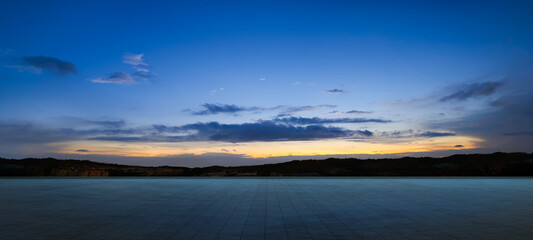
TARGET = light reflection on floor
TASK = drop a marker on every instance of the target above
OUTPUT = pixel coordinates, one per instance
(266, 208)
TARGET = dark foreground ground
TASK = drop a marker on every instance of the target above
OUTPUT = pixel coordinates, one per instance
(266, 208)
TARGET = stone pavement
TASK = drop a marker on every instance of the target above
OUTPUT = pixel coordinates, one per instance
(266, 208)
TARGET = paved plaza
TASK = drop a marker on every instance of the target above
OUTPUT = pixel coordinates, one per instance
(266, 208)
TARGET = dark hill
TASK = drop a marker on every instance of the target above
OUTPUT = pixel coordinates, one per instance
(496, 164)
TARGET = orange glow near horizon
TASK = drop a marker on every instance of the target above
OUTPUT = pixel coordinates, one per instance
(269, 149)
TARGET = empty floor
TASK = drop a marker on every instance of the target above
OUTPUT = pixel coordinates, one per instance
(266, 208)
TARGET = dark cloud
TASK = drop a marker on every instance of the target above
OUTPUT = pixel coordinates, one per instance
(508, 126)
(214, 131)
(116, 78)
(472, 90)
(246, 132)
(336, 91)
(316, 120)
(50, 64)
(215, 108)
(459, 146)
(82, 150)
(265, 131)
(365, 133)
(430, 134)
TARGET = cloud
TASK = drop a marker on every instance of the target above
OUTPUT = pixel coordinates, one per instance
(216, 90)
(316, 120)
(75, 121)
(265, 131)
(459, 146)
(141, 71)
(50, 64)
(215, 108)
(430, 134)
(523, 133)
(6, 51)
(472, 90)
(358, 112)
(82, 150)
(292, 110)
(416, 134)
(116, 78)
(27, 133)
(141, 68)
(336, 91)
(135, 60)
(333, 112)
(507, 126)
(348, 112)
(262, 79)
(143, 75)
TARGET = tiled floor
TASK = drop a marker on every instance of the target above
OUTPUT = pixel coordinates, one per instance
(266, 208)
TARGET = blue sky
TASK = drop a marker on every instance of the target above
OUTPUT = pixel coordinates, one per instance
(279, 78)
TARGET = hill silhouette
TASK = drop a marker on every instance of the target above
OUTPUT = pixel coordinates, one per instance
(495, 164)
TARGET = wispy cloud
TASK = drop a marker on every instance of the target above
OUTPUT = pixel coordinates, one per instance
(358, 112)
(143, 75)
(473, 90)
(416, 134)
(76, 121)
(317, 120)
(135, 60)
(216, 108)
(6, 51)
(141, 71)
(348, 112)
(116, 78)
(216, 90)
(292, 110)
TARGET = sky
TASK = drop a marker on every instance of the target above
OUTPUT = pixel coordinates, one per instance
(199, 83)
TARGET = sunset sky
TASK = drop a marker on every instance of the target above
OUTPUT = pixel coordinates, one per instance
(197, 83)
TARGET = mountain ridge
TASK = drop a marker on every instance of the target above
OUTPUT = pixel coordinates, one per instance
(495, 164)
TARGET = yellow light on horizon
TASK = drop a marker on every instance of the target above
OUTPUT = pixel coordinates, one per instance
(269, 149)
